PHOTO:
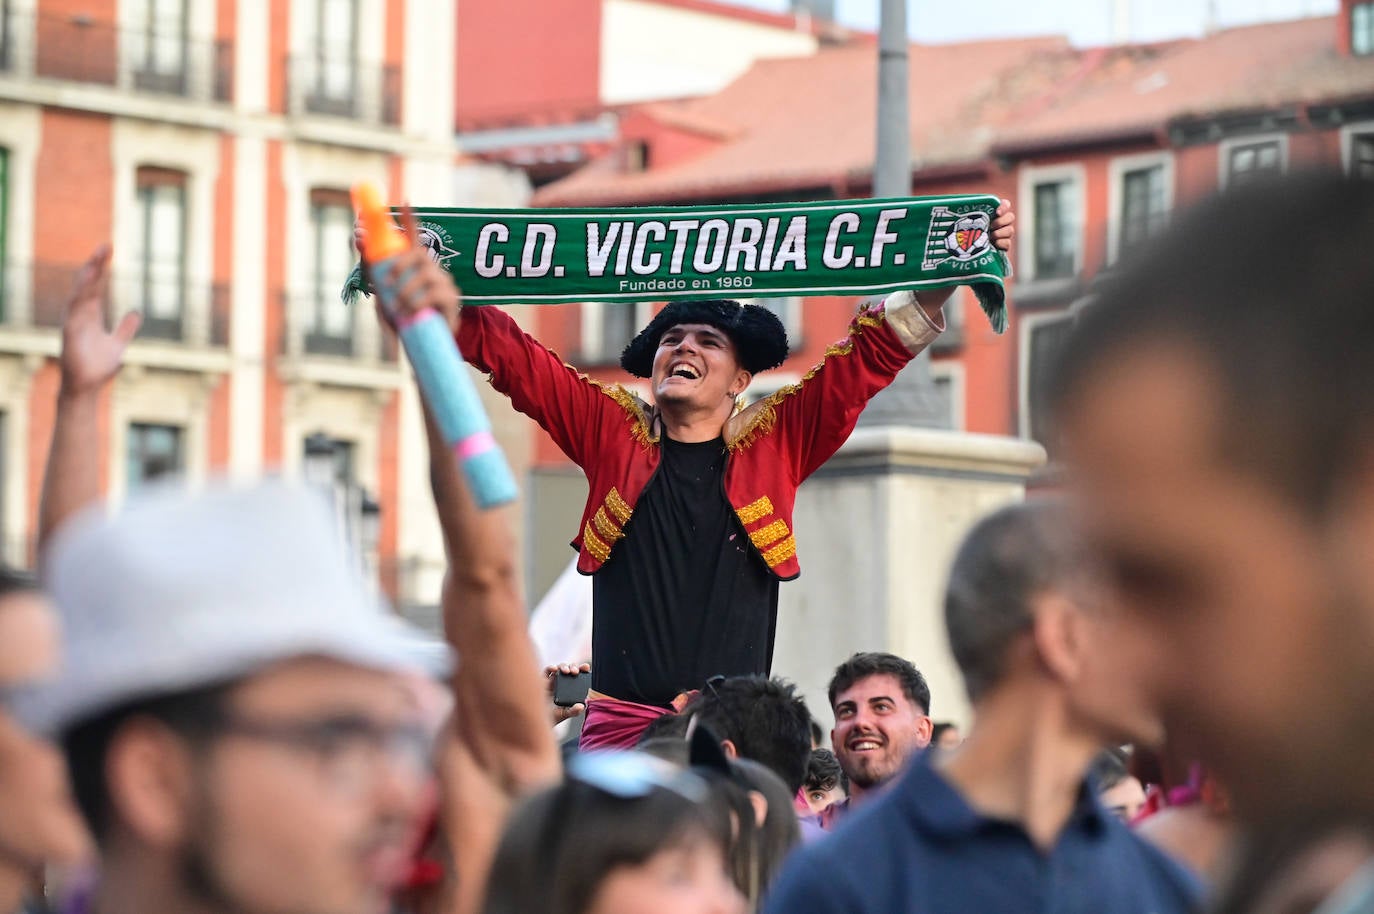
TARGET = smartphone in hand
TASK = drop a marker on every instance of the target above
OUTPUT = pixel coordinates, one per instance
(571, 688)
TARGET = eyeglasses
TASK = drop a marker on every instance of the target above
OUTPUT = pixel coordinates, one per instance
(351, 750)
(632, 775)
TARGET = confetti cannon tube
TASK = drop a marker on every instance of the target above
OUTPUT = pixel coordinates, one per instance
(444, 380)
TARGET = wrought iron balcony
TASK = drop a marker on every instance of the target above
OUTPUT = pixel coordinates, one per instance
(150, 60)
(342, 87)
(318, 324)
(174, 310)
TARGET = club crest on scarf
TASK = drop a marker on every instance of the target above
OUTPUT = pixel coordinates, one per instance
(959, 235)
(437, 241)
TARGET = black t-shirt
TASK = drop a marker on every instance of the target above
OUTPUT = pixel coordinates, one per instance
(684, 596)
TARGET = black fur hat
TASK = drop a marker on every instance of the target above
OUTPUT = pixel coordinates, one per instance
(759, 338)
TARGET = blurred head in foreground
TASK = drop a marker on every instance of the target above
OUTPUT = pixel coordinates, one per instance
(39, 823)
(626, 833)
(1216, 413)
(1033, 632)
(232, 706)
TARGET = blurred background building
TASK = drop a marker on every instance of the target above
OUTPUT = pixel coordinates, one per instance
(214, 141)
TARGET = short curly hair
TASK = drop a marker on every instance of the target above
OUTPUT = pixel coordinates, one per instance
(759, 337)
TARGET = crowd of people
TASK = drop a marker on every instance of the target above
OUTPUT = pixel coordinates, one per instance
(205, 708)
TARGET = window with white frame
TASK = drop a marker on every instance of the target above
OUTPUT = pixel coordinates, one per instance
(332, 58)
(1144, 204)
(6, 36)
(608, 327)
(158, 42)
(1056, 228)
(1042, 338)
(1362, 29)
(160, 282)
(4, 222)
(789, 312)
(1248, 161)
(946, 375)
(6, 549)
(153, 451)
(329, 322)
(344, 455)
(1362, 154)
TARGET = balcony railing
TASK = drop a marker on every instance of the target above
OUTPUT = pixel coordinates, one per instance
(317, 326)
(341, 87)
(193, 313)
(76, 48)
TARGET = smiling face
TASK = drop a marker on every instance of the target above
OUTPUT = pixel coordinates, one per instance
(877, 730)
(696, 368)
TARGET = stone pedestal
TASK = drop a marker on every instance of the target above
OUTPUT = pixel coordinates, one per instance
(876, 530)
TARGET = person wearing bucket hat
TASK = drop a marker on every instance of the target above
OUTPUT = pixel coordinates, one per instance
(687, 528)
(234, 702)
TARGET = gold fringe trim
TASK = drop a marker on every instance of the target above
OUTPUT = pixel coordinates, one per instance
(605, 526)
(618, 507)
(755, 511)
(767, 536)
(599, 550)
(642, 432)
(781, 552)
(766, 416)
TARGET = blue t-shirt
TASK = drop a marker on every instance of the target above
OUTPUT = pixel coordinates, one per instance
(921, 849)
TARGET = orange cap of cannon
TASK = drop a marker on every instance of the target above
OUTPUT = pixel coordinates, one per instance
(383, 238)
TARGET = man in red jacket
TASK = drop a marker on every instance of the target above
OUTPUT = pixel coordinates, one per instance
(687, 528)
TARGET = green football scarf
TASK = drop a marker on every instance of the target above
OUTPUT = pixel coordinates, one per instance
(846, 247)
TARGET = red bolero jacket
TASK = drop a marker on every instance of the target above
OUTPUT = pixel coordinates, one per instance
(772, 445)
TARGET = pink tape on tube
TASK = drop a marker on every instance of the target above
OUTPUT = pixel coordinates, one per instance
(472, 445)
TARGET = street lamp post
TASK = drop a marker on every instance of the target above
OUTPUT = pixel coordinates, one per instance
(911, 398)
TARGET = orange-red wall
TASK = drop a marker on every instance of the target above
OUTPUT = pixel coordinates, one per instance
(514, 55)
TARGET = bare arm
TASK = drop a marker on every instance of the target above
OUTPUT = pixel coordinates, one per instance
(499, 744)
(90, 358)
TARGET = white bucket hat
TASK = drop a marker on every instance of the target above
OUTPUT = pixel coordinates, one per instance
(180, 590)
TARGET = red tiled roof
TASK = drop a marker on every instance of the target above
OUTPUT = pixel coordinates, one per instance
(810, 121)
(790, 21)
(799, 123)
(1143, 88)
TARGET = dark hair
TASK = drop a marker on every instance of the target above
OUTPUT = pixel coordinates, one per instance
(765, 719)
(13, 581)
(937, 730)
(1107, 770)
(669, 725)
(1009, 558)
(779, 832)
(862, 665)
(86, 744)
(561, 843)
(1269, 285)
(817, 734)
(823, 772)
(759, 336)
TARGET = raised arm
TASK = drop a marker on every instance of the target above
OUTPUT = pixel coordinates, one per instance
(500, 745)
(572, 409)
(90, 357)
(814, 418)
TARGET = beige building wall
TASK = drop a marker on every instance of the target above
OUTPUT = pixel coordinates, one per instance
(876, 530)
(655, 50)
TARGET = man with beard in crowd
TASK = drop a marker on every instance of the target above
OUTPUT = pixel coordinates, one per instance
(881, 705)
